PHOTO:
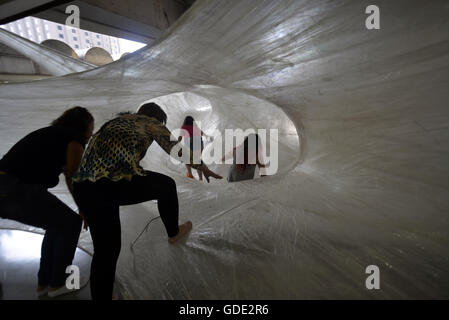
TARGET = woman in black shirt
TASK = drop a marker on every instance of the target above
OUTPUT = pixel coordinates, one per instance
(32, 166)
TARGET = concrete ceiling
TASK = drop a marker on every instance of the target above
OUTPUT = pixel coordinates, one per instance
(138, 20)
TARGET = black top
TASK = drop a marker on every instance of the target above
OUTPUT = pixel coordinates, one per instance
(40, 157)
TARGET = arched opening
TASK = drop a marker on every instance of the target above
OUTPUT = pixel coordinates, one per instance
(96, 55)
(60, 47)
(235, 111)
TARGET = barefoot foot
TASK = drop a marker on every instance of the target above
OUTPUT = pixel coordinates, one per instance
(183, 230)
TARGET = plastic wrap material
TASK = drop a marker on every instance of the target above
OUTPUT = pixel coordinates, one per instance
(364, 149)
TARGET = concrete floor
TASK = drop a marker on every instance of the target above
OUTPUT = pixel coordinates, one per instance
(19, 264)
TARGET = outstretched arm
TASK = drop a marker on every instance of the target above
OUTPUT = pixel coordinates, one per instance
(159, 132)
(260, 161)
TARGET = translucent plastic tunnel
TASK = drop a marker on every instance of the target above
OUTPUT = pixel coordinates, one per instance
(363, 173)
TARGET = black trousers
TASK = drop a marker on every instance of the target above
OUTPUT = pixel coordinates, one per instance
(33, 205)
(100, 202)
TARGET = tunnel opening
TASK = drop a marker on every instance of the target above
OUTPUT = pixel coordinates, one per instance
(221, 112)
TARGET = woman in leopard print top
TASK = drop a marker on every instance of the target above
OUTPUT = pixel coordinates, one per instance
(110, 176)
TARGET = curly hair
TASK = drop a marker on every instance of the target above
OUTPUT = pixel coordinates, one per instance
(76, 118)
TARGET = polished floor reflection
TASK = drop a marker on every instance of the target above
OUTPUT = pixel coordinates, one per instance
(19, 264)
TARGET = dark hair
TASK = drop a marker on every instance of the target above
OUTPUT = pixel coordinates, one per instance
(245, 163)
(245, 145)
(188, 121)
(153, 110)
(76, 118)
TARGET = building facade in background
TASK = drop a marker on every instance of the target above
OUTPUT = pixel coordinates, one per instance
(39, 30)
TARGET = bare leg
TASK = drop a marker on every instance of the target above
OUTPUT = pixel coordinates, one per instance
(189, 171)
(200, 174)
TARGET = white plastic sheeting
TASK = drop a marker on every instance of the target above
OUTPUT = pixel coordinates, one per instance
(364, 149)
